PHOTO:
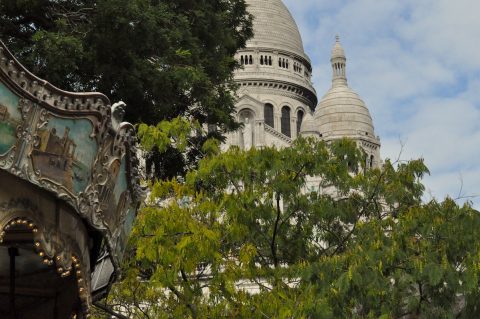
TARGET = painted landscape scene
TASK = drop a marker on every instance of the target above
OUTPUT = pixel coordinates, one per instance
(113, 193)
(10, 118)
(66, 152)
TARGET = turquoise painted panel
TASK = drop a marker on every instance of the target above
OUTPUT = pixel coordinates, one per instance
(121, 182)
(10, 118)
(120, 204)
(66, 152)
(125, 231)
(113, 193)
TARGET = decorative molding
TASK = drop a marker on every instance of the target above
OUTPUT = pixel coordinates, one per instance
(277, 134)
(44, 93)
(282, 88)
(103, 149)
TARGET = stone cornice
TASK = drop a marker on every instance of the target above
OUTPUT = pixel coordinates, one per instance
(282, 88)
(247, 97)
(368, 142)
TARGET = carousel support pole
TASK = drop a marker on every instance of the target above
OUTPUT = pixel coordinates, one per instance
(13, 252)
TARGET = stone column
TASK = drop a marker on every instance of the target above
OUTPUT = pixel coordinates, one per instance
(259, 133)
(293, 126)
(277, 120)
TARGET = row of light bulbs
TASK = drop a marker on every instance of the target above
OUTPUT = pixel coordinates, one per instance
(49, 261)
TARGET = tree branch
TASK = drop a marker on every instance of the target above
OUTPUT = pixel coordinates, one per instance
(109, 311)
(190, 306)
(273, 244)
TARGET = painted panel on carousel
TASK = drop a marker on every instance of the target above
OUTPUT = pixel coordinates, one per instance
(10, 119)
(122, 200)
(125, 231)
(120, 190)
(65, 152)
(75, 146)
(113, 194)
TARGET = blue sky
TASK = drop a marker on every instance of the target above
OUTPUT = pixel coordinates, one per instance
(416, 65)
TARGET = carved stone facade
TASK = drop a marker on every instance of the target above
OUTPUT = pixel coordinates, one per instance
(276, 94)
(69, 190)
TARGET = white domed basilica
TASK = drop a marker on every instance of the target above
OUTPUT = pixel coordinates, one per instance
(277, 101)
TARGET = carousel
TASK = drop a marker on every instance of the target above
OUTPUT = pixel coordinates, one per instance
(69, 192)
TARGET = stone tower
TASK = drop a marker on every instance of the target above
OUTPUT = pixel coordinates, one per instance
(342, 113)
(277, 101)
(275, 82)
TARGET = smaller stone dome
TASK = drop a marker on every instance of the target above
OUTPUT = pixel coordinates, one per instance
(341, 112)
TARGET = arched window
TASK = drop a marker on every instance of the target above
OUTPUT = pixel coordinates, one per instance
(280, 62)
(261, 59)
(241, 60)
(268, 114)
(299, 121)
(251, 60)
(286, 64)
(372, 158)
(269, 60)
(285, 121)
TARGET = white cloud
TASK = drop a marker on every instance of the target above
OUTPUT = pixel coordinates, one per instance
(416, 65)
(447, 29)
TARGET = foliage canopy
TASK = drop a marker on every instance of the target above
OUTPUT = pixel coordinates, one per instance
(250, 234)
(162, 58)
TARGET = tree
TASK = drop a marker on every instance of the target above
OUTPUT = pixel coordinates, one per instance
(163, 58)
(249, 235)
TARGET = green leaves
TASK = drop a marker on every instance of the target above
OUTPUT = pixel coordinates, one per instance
(167, 133)
(434, 274)
(282, 233)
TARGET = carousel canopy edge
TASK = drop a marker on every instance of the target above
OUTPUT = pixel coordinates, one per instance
(74, 145)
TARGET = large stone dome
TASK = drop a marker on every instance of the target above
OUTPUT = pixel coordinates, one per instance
(274, 27)
(274, 61)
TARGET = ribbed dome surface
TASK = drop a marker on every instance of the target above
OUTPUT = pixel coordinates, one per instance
(341, 112)
(274, 27)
